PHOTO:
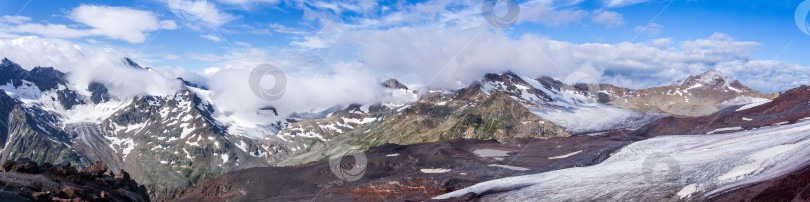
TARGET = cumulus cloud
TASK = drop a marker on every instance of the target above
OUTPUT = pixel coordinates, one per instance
(311, 84)
(465, 14)
(411, 54)
(456, 47)
(85, 64)
(15, 19)
(122, 23)
(196, 12)
(661, 43)
(607, 18)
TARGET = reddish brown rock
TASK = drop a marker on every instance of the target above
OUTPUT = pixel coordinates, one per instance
(23, 165)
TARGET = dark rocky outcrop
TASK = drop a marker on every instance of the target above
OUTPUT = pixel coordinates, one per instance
(403, 172)
(99, 93)
(25, 180)
(394, 84)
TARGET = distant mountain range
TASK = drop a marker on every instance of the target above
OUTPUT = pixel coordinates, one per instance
(174, 143)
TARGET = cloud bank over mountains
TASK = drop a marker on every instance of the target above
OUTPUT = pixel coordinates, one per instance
(353, 47)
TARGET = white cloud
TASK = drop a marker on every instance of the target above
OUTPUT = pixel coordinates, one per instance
(284, 29)
(211, 37)
(242, 2)
(550, 16)
(456, 14)
(651, 29)
(15, 19)
(87, 63)
(243, 44)
(310, 82)
(465, 55)
(53, 30)
(662, 42)
(311, 42)
(196, 12)
(122, 23)
(607, 18)
(623, 3)
(720, 44)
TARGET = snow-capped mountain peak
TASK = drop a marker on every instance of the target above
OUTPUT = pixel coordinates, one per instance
(711, 78)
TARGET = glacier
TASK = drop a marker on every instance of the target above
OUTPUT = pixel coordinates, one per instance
(690, 167)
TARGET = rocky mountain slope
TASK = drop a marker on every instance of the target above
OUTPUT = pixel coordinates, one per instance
(173, 141)
(733, 157)
(166, 142)
(563, 104)
(699, 95)
(438, 116)
(604, 165)
(790, 107)
(25, 180)
(408, 172)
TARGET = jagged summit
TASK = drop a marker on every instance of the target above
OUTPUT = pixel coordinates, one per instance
(190, 84)
(507, 76)
(6, 63)
(394, 84)
(131, 63)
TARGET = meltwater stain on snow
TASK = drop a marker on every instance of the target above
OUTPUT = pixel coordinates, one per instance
(565, 155)
(491, 153)
(510, 167)
(434, 170)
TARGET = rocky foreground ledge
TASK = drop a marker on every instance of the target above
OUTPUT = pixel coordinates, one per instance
(25, 180)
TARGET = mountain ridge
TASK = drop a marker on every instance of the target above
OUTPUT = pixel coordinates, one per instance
(170, 142)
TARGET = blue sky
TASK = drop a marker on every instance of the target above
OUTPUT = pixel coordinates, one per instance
(309, 37)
